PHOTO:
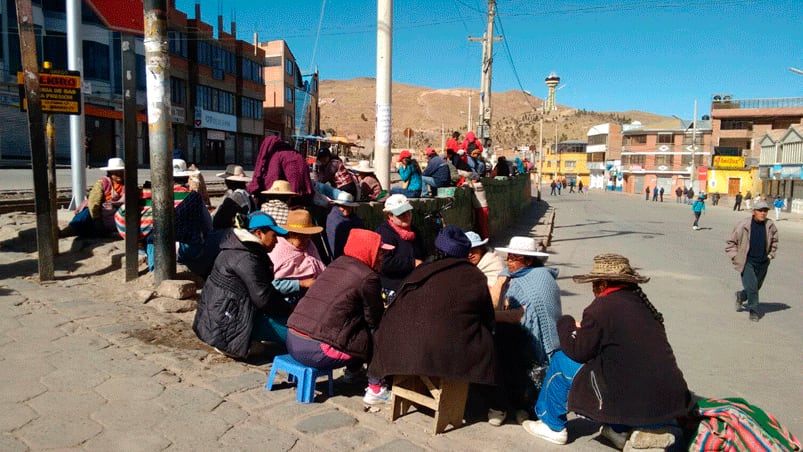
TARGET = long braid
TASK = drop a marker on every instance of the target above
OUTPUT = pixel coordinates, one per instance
(646, 302)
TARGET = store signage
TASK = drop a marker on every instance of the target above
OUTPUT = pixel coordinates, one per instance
(727, 161)
(205, 119)
(702, 173)
(179, 114)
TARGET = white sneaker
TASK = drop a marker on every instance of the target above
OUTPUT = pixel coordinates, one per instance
(376, 398)
(541, 430)
(496, 417)
(695, 227)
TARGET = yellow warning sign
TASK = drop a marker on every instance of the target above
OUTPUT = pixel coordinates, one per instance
(60, 92)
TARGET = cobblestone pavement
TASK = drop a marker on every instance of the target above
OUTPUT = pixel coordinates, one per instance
(86, 365)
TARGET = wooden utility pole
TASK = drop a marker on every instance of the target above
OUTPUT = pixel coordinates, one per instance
(132, 212)
(484, 119)
(157, 71)
(45, 241)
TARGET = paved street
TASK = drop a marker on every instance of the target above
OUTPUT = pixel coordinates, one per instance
(86, 365)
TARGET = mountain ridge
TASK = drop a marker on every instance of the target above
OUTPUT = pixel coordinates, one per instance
(347, 108)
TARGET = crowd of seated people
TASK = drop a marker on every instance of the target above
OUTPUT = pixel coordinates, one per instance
(381, 305)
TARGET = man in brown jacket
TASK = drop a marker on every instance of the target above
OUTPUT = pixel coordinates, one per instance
(751, 245)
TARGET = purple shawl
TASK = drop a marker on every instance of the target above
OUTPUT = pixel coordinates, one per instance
(278, 160)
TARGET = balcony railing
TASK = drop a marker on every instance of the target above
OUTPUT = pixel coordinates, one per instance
(780, 102)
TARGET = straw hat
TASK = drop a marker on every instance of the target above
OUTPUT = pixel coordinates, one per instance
(611, 267)
(280, 187)
(180, 169)
(115, 164)
(364, 166)
(234, 173)
(300, 222)
(524, 246)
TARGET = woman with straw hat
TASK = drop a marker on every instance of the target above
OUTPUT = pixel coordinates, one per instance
(615, 366)
(296, 262)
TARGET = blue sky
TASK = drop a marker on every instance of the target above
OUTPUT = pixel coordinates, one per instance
(650, 55)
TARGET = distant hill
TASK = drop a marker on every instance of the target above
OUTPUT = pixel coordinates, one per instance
(348, 107)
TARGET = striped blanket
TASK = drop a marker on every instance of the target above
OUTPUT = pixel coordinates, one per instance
(735, 425)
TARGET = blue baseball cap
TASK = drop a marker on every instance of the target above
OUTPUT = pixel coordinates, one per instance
(258, 220)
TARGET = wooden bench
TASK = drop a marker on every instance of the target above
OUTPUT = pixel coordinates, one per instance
(447, 398)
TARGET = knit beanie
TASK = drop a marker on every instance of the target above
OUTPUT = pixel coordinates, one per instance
(452, 242)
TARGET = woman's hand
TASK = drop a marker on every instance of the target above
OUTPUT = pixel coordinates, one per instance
(306, 283)
(497, 291)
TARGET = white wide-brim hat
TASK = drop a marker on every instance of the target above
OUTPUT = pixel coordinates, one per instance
(180, 169)
(345, 199)
(114, 164)
(475, 239)
(234, 173)
(524, 246)
(364, 166)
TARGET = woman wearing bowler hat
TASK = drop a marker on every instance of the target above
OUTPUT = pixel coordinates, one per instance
(95, 216)
(615, 366)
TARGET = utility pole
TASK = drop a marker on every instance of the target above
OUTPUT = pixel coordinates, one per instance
(484, 118)
(692, 166)
(45, 242)
(384, 56)
(157, 70)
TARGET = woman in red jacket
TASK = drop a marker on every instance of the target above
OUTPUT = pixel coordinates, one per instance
(333, 324)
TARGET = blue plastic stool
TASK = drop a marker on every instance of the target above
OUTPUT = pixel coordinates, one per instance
(303, 376)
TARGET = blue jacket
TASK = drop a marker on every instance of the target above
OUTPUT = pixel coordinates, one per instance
(438, 170)
(778, 203)
(412, 173)
(698, 206)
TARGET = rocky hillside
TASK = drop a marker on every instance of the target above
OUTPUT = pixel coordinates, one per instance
(347, 109)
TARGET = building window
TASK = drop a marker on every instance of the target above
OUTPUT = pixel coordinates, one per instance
(663, 159)
(733, 124)
(251, 108)
(288, 67)
(96, 60)
(252, 71)
(569, 164)
(594, 140)
(636, 139)
(665, 138)
(633, 160)
(213, 99)
(178, 91)
(288, 95)
(273, 61)
(177, 43)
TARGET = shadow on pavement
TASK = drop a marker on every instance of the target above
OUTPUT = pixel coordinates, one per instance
(608, 234)
(766, 308)
(589, 223)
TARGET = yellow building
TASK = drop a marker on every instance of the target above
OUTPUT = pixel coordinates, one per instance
(729, 176)
(568, 162)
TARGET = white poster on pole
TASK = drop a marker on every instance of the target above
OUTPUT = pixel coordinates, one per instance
(383, 124)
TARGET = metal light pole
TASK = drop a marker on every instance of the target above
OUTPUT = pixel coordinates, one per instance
(541, 151)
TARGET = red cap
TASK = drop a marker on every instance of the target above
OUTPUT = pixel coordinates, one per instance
(404, 154)
(431, 151)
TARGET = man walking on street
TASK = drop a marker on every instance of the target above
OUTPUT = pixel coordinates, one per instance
(738, 204)
(647, 193)
(751, 245)
(661, 194)
(678, 194)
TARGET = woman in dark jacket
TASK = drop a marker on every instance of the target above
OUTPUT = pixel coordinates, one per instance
(616, 366)
(335, 320)
(399, 232)
(238, 301)
(440, 323)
